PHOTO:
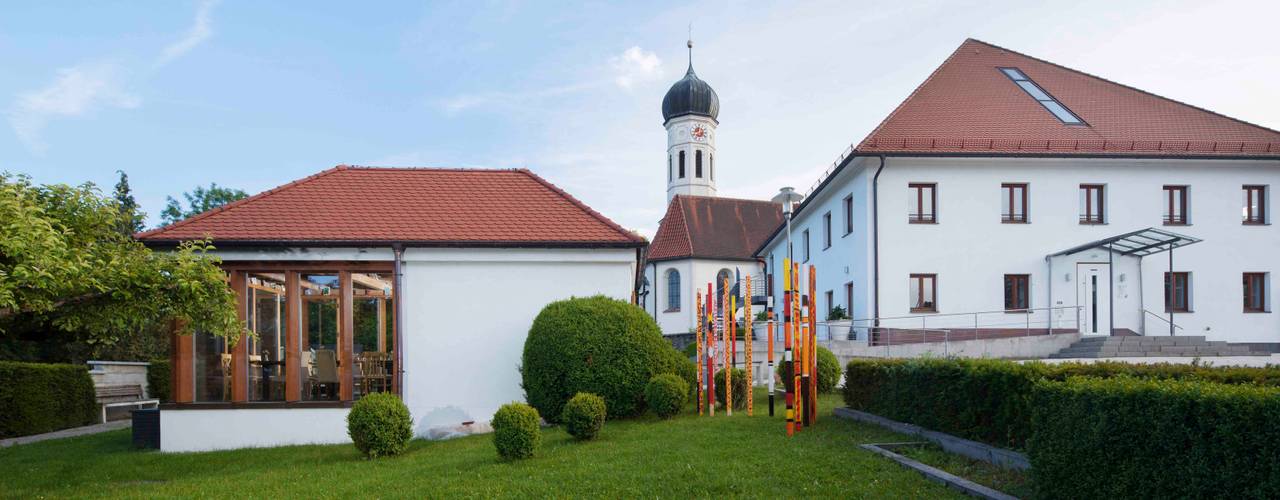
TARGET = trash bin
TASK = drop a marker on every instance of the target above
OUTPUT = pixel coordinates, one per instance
(146, 429)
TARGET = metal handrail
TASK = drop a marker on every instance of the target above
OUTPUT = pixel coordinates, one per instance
(1159, 317)
(944, 315)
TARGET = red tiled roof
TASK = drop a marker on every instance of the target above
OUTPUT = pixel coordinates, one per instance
(968, 106)
(422, 206)
(713, 228)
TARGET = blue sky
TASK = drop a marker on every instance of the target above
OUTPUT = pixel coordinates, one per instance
(256, 94)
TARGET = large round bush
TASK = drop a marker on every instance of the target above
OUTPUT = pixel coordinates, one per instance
(516, 431)
(598, 345)
(666, 395)
(828, 371)
(379, 424)
(584, 415)
(739, 379)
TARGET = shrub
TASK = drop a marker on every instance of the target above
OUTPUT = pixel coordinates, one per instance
(740, 388)
(598, 345)
(828, 371)
(989, 400)
(37, 398)
(690, 351)
(159, 377)
(584, 415)
(666, 395)
(379, 424)
(686, 370)
(516, 431)
(1129, 438)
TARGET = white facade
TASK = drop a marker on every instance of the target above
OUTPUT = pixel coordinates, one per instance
(691, 138)
(694, 275)
(970, 250)
(466, 315)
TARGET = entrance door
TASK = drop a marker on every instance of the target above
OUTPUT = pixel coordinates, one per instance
(1093, 295)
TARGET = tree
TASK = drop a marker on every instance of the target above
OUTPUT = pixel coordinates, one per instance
(131, 215)
(65, 266)
(199, 200)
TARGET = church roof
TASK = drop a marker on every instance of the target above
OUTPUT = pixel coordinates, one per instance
(348, 205)
(706, 227)
(971, 105)
(690, 96)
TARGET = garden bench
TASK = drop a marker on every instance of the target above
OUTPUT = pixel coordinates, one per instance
(121, 395)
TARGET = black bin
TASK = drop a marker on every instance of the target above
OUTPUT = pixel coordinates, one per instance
(146, 429)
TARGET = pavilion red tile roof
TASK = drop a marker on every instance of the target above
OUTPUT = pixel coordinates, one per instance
(713, 228)
(416, 206)
(968, 106)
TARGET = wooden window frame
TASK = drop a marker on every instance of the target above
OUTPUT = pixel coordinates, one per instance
(1250, 218)
(1021, 289)
(1181, 283)
(1090, 215)
(918, 188)
(826, 230)
(1006, 214)
(805, 246)
(933, 281)
(848, 214)
(1176, 204)
(831, 302)
(1251, 280)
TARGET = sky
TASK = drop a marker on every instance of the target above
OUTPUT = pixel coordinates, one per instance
(253, 95)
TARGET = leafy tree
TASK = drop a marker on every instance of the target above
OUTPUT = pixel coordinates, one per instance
(131, 215)
(199, 200)
(65, 266)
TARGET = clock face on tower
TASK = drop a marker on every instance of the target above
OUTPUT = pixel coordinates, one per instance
(698, 133)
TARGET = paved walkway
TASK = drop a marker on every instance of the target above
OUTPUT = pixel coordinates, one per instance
(66, 433)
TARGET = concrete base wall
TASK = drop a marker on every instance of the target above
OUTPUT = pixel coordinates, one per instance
(227, 429)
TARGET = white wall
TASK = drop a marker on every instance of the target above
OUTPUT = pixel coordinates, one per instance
(970, 249)
(468, 311)
(679, 139)
(225, 429)
(695, 274)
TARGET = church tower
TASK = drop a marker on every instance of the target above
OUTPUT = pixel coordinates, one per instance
(689, 111)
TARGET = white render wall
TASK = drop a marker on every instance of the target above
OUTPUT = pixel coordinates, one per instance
(970, 249)
(695, 274)
(679, 139)
(227, 429)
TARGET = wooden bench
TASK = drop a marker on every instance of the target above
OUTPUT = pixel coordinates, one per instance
(121, 395)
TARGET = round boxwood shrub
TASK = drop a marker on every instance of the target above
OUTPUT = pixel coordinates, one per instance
(379, 424)
(828, 371)
(598, 345)
(740, 387)
(516, 431)
(666, 394)
(584, 415)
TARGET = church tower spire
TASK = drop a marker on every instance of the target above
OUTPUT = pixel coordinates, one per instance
(689, 112)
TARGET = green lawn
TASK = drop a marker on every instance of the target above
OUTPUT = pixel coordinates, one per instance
(1011, 481)
(685, 457)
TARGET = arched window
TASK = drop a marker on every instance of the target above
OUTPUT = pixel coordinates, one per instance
(682, 164)
(668, 168)
(713, 166)
(697, 163)
(673, 290)
(724, 274)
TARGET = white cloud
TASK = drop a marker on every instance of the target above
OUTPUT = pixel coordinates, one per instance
(76, 90)
(201, 29)
(635, 65)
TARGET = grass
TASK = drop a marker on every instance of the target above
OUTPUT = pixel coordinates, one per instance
(687, 456)
(1011, 481)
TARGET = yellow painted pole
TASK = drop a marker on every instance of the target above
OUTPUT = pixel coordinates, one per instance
(797, 366)
(746, 323)
(726, 316)
(788, 394)
(813, 345)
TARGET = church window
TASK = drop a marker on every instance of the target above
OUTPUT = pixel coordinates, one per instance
(681, 171)
(668, 168)
(673, 290)
(721, 276)
(697, 163)
(713, 167)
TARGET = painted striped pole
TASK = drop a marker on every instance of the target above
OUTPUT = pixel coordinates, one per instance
(701, 387)
(726, 318)
(711, 356)
(788, 395)
(746, 323)
(768, 315)
(797, 365)
(813, 345)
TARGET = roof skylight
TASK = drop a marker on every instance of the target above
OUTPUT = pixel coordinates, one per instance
(1042, 97)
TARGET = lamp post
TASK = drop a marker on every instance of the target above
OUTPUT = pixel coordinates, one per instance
(787, 196)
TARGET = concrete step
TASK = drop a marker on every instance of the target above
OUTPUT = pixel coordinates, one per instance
(1157, 346)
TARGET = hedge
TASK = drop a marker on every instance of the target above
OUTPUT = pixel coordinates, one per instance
(1128, 438)
(989, 400)
(159, 378)
(37, 398)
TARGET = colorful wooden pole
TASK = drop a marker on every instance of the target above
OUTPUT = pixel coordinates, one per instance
(711, 356)
(768, 316)
(746, 323)
(797, 364)
(788, 395)
(697, 341)
(813, 345)
(726, 318)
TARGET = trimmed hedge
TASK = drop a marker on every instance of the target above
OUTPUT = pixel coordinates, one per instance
(989, 400)
(1129, 438)
(739, 378)
(599, 345)
(159, 378)
(37, 398)
(379, 425)
(584, 416)
(516, 431)
(666, 395)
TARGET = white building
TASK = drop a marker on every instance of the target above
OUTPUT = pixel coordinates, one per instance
(702, 238)
(421, 282)
(995, 187)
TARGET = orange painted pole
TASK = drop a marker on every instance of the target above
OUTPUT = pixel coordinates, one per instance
(788, 395)
(711, 358)
(813, 345)
(797, 366)
(726, 318)
(746, 323)
(768, 315)
(697, 341)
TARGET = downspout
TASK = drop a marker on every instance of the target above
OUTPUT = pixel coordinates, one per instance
(875, 237)
(398, 282)
(654, 285)
(635, 279)
(1048, 259)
